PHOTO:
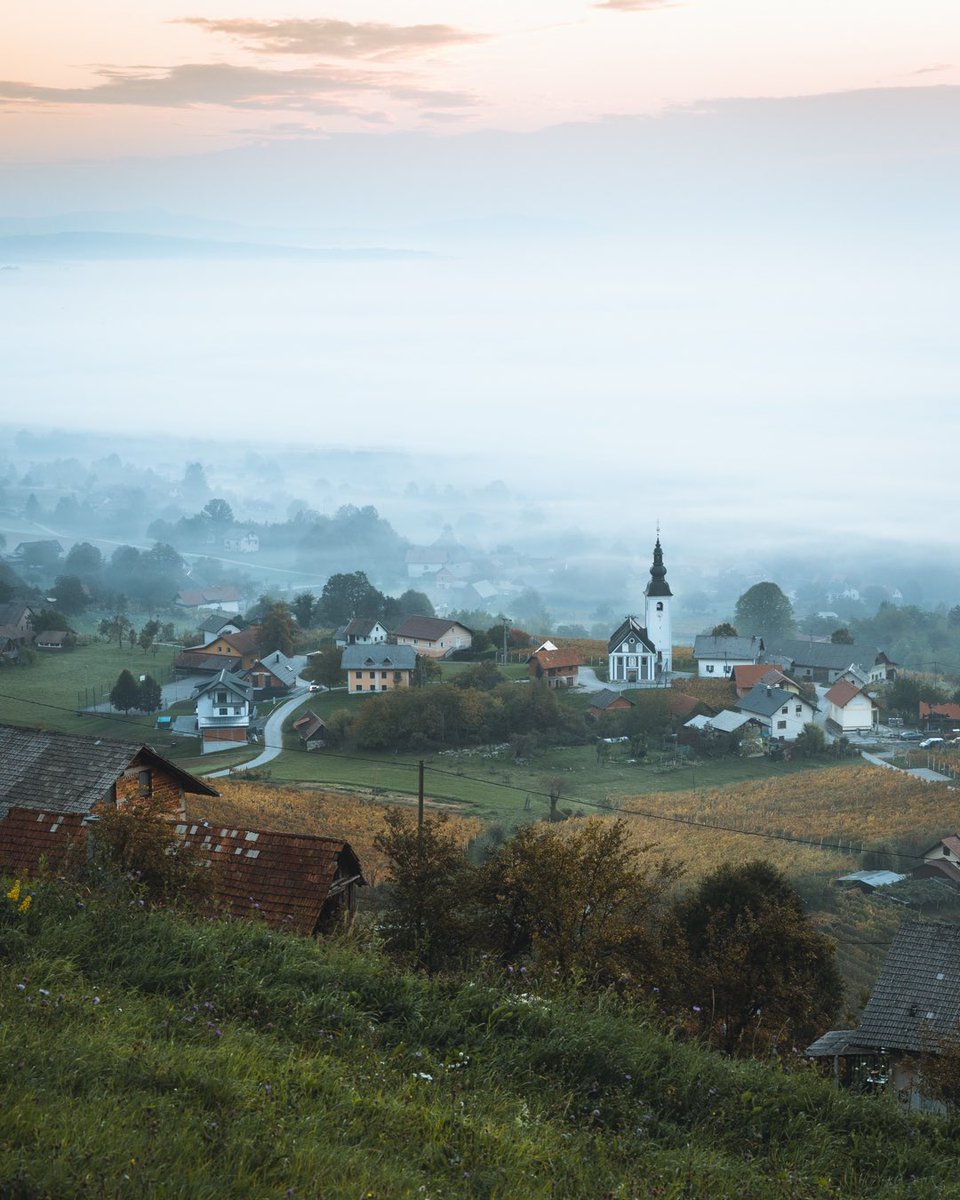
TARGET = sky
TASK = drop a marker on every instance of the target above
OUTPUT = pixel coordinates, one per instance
(111, 78)
(630, 244)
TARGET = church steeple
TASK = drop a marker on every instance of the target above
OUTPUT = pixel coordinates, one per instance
(658, 585)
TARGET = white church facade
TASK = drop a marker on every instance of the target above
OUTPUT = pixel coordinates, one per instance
(644, 653)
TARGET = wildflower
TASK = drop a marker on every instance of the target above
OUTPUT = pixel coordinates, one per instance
(14, 893)
(696, 1008)
(24, 904)
(96, 1000)
(44, 991)
(21, 987)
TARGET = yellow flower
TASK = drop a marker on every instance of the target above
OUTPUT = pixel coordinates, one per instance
(14, 893)
(24, 904)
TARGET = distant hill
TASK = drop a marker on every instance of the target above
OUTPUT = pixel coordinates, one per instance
(86, 245)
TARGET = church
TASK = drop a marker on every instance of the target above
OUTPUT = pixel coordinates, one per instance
(644, 653)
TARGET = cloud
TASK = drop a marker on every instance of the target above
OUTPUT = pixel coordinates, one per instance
(317, 90)
(339, 39)
(635, 5)
(933, 67)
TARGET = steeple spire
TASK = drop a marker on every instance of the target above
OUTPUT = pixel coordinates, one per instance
(658, 585)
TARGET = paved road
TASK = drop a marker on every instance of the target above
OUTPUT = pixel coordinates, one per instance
(272, 736)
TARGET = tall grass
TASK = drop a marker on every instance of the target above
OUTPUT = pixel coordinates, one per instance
(147, 1055)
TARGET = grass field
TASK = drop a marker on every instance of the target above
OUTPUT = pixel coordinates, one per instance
(50, 692)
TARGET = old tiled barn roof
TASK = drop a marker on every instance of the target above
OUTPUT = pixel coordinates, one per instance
(286, 878)
(29, 838)
(917, 996)
(68, 773)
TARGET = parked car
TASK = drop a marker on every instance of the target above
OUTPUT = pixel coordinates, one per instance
(911, 735)
(928, 742)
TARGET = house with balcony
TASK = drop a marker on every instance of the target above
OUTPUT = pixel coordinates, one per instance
(224, 710)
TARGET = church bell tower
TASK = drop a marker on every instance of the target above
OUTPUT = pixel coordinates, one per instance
(657, 614)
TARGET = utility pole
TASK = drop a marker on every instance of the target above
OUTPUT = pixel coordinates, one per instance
(420, 802)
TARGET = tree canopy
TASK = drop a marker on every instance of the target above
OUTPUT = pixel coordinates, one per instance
(764, 611)
(758, 969)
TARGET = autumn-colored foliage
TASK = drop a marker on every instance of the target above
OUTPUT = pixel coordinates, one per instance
(328, 814)
(718, 693)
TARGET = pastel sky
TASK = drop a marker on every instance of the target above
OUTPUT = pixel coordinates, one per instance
(154, 77)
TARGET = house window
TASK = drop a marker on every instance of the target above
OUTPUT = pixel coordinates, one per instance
(784, 709)
(146, 783)
(709, 668)
(781, 724)
(397, 677)
(359, 687)
(358, 674)
(659, 606)
(799, 710)
(383, 674)
(373, 674)
(221, 698)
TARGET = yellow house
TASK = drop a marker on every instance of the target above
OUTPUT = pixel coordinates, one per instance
(377, 668)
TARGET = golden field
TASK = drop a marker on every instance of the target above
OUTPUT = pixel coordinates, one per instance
(326, 814)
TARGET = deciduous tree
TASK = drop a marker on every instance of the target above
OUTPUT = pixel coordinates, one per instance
(759, 970)
(764, 611)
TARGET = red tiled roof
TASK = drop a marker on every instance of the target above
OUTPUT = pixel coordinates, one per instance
(679, 704)
(746, 675)
(557, 658)
(950, 711)
(843, 692)
(29, 837)
(285, 878)
(244, 642)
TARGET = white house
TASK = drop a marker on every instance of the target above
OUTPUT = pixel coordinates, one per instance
(361, 631)
(717, 656)
(437, 637)
(850, 709)
(245, 543)
(644, 653)
(782, 715)
(223, 712)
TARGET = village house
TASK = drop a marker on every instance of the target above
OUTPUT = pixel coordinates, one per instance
(64, 773)
(224, 598)
(883, 668)
(361, 631)
(213, 626)
(53, 785)
(941, 861)
(436, 637)
(850, 709)
(939, 716)
(380, 668)
(748, 676)
(782, 715)
(555, 668)
(817, 660)
(55, 639)
(914, 1003)
(242, 543)
(311, 731)
(224, 709)
(230, 651)
(717, 656)
(16, 619)
(606, 701)
(272, 675)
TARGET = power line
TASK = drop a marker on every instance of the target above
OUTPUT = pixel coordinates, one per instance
(690, 822)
